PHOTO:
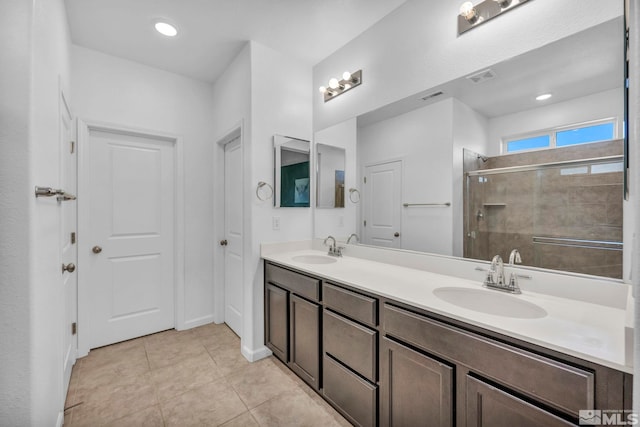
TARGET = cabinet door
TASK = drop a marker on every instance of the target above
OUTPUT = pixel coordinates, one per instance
(491, 407)
(277, 321)
(416, 390)
(305, 339)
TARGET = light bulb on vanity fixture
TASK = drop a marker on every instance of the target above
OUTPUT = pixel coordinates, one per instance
(471, 16)
(338, 87)
(469, 12)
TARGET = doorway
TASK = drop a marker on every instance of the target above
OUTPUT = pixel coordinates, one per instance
(383, 204)
(130, 234)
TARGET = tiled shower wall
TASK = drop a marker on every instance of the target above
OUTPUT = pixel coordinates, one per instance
(528, 210)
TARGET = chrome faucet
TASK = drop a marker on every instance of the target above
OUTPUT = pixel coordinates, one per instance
(514, 258)
(353, 235)
(495, 275)
(334, 250)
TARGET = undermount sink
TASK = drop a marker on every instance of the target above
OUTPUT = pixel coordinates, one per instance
(490, 302)
(314, 259)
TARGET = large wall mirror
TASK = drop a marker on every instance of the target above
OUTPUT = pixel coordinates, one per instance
(292, 175)
(477, 166)
(330, 164)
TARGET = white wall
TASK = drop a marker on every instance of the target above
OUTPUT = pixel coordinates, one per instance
(16, 213)
(422, 139)
(340, 222)
(470, 131)
(416, 47)
(280, 104)
(113, 90)
(35, 65)
(601, 105)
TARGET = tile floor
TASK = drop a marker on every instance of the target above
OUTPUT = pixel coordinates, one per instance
(190, 378)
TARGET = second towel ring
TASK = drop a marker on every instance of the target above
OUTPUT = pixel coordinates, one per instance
(263, 184)
(353, 191)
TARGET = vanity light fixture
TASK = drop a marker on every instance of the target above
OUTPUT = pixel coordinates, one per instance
(543, 97)
(166, 29)
(338, 87)
(471, 16)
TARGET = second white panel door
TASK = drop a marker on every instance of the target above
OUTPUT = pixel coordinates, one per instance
(382, 204)
(233, 235)
(130, 276)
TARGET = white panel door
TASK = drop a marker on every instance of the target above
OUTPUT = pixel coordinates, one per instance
(233, 235)
(383, 205)
(130, 276)
(68, 250)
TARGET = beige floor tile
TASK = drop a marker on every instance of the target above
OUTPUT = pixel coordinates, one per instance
(217, 337)
(173, 352)
(102, 404)
(211, 404)
(150, 417)
(123, 359)
(229, 359)
(244, 420)
(193, 372)
(292, 409)
(259, 382)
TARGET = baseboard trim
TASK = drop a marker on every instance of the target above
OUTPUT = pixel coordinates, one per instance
(194, 323)
(255, 355)
(60, 420)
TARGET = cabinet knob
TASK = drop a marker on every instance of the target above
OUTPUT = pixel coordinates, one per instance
(96, 249)
(224, 242)
(71, 267)
(396, 234)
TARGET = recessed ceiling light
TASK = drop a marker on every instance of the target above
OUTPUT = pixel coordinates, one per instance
(543, 97)
(166, 29)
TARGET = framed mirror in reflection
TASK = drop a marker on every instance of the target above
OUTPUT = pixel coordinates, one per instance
(544, 176)
(330, 165)
(292, 175)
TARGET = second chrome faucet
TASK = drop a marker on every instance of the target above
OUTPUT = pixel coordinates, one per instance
(495, 276)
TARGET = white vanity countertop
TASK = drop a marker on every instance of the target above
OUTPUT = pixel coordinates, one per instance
(582, 329)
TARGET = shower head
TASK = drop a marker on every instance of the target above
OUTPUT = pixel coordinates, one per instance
(483, 158)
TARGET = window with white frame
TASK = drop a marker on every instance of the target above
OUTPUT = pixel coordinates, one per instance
(584, 133)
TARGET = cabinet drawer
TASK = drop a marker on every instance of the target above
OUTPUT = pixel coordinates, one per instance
(358, 307)
(304, 286)
(557, 384)
(352, 344)
(354, 397)
(490, 406)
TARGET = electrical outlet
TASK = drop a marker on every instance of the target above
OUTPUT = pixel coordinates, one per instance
(275, 223)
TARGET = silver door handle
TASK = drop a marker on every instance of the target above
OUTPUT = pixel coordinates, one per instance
(71, 267)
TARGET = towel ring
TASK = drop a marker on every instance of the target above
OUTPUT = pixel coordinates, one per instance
(353, 191)
(260, 185)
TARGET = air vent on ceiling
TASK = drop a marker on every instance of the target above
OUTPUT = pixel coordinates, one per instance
(432, 95)
(482, 76)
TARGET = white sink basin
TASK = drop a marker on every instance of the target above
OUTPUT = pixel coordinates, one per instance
(490, 302)
(314, 259)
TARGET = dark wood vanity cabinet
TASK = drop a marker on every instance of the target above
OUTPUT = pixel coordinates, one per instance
(384, 363)
(350, 360)
(292, 321)
(416, 390)
(497, 383)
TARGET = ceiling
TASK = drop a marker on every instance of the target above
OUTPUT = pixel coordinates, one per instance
(212, 32)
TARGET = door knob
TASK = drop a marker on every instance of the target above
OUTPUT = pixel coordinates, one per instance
(396, 234)
(71, 267)
(224, 242)
(96, 249)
